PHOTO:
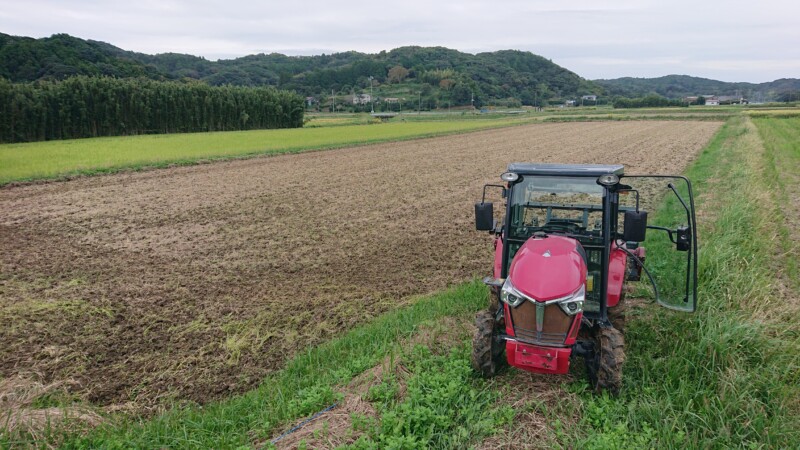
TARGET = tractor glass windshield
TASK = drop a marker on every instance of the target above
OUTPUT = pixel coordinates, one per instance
(556, 204)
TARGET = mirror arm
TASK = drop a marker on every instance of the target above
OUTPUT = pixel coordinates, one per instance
(483, 199)
(669, 232)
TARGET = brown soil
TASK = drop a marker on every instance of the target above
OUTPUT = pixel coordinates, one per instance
(191, 283)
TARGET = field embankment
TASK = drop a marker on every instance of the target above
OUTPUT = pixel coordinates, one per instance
(190, 283)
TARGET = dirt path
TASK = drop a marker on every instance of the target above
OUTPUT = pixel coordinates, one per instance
(192, 283)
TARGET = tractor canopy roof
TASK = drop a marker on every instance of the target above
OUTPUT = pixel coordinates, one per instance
(571, 170)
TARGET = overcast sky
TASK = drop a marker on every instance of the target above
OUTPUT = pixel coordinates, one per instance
(755, 40)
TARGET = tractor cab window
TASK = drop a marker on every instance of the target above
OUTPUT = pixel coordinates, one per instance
(572, 205)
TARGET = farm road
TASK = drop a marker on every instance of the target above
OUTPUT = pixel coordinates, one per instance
(193, 283)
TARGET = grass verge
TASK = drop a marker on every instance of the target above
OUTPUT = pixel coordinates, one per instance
(781, 137)
(727, 376)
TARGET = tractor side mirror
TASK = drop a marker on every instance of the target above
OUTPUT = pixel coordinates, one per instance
(484, 216)
(635, 226)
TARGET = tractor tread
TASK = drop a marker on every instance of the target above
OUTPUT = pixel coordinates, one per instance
(610, 359)
(616, 314)
(486, 353)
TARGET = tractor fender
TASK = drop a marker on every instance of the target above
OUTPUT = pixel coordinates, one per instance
(498, 257)
(617, 265)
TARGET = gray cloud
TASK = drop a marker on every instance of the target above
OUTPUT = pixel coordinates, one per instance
(726, 40)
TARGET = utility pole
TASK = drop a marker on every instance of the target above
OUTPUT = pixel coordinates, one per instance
(371, 98)
(419, 104)
(333, 101)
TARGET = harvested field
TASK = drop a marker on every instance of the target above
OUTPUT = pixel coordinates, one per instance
(192, 283)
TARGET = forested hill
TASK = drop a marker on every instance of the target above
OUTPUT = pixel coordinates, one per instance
(678, 86)
(438, 73)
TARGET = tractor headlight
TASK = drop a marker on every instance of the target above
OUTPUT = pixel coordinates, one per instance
(510, 295)
(608, 179)
(574, 303)
(509, 177)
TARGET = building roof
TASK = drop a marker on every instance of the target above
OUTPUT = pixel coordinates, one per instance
(580, 170)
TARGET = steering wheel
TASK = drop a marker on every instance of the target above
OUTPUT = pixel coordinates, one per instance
(565, 222)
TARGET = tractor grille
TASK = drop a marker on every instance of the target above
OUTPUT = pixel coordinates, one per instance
(554, 328)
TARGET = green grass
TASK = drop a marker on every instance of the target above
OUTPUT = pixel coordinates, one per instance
(59, 159)
(444, 406)
(723, 377)
(782, 144)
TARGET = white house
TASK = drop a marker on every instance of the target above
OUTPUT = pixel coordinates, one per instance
(362, 99)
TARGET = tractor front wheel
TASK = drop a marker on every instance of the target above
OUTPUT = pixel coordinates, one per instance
(616, 314)
(487, 349)
(605, 368)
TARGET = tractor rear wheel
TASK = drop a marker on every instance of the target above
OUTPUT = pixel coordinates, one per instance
(487, 349)
(605, 369)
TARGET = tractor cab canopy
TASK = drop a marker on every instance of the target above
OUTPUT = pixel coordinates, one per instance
(567, 170)
(604, 210)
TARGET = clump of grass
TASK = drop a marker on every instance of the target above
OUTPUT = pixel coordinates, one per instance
(31, 409)
(444, 406)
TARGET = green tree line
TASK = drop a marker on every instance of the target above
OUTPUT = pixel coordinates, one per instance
(82, 106)
(455, 78)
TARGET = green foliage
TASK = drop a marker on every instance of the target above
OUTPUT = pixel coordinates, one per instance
(312, 399)
(484, 78)
(445, 405)
(613, 432)
(81, 107)
(62, 56)
(679, 86)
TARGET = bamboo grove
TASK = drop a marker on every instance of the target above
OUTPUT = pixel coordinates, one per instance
(81, 107)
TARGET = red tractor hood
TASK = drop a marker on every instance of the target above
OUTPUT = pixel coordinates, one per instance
(548, 268)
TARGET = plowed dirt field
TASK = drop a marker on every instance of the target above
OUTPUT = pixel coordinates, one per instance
(192, 283)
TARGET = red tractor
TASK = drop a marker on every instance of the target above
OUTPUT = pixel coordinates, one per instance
(571, 238)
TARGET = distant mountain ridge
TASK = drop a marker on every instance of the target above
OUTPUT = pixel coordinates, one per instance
(436, 74)
(679, 86)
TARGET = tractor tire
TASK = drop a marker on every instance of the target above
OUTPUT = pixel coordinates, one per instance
(605, 369)
(616, 314)
(487, 349)
(494, 300)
